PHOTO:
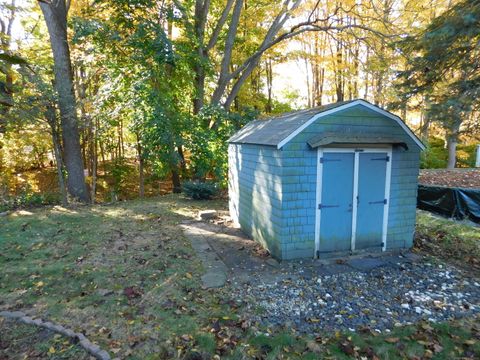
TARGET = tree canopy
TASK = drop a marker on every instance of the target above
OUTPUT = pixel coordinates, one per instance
(136, 96)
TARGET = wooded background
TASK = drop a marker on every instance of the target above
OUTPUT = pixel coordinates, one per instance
(112, 99)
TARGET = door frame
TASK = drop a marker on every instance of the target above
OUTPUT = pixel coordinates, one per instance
(356, 150)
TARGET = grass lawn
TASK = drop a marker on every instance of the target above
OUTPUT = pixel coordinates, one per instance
(126, 277)
(457, 242)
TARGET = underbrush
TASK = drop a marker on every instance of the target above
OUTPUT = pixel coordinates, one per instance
(28, 200)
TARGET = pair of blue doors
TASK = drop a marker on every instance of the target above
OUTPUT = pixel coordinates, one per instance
(352, 201)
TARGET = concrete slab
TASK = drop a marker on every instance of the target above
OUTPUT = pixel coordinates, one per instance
(333, 269)
(215, 270)
(367, 264)
(214, 279)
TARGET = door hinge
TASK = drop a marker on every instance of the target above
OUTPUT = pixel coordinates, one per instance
(384, 201)
(387, 159)
(321, 206)
(322, 160)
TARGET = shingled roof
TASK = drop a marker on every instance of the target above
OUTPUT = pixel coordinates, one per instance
(272, 130)
(278, 130)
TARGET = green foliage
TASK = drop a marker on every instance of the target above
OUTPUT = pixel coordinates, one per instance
(444, 67)
(200, 190)
(120, 172)
(435, 155)
(28, 199)
(208, 146)
(466, 155)
(12, 59)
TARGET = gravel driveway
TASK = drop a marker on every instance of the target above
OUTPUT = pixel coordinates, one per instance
(381, 298)
(379, 292)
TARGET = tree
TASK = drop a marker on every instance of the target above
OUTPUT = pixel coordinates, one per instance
(444, 68)
(55, 14)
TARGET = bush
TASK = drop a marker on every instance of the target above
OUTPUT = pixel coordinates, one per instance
(466, 155)
(435, 156)
(28, 200)
(200, 190)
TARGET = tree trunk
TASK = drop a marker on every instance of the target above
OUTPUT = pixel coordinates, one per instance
(201, 12)
(55, 14)
(94, 162)
(6, 89)
(52, 122)
(452, 140)
(141, 173)
(177, 186)
(269, 73)
(339, 89)
(452, 151)
(224, 76)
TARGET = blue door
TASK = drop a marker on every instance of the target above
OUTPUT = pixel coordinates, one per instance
(371, 200)
(336, 202)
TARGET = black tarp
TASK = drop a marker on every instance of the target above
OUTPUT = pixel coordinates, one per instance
(458, 203)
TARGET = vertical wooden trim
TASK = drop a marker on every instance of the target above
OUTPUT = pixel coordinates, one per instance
(388, 180)
(320, 153)
(318, 201)
(356, 164)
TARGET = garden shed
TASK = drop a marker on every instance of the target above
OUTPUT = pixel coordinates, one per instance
(326, 181)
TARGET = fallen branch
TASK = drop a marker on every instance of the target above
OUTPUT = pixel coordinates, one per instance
(86, 344)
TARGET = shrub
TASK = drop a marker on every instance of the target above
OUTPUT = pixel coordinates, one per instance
(435, 156)
(466, 155)
(28, 199)
(200, 190)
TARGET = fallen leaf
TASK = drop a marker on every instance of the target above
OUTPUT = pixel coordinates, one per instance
(437, 348)
(132, 292)
(392, 340)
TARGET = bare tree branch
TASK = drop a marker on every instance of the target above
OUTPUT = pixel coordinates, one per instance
(244, 70)
(220, 23)
(224, 78)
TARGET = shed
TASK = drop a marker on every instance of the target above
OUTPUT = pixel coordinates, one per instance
(326, 181)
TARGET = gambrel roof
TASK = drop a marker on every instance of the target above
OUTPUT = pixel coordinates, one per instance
(278, 131)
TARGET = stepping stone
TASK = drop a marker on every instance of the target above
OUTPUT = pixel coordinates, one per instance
(214, 279)
(207, 214)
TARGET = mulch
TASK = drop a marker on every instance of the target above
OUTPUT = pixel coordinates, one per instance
(465, 178)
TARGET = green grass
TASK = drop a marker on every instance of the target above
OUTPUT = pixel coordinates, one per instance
(57, 262)
(452, 240)
(27, 342)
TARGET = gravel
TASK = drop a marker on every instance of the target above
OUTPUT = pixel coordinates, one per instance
(385, 297)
